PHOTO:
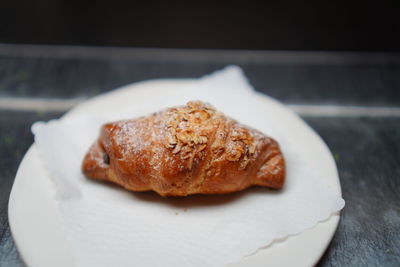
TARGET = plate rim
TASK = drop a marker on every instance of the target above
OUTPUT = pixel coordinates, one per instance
(142, 86)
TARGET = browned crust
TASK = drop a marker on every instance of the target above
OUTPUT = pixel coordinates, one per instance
(186, 150)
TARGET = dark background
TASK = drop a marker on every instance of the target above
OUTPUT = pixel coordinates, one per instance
(366, 147)
(272, 25)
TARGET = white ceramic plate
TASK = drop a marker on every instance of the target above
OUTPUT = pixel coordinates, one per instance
(38, 232)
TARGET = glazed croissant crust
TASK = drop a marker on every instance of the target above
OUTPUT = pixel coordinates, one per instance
(192, 149)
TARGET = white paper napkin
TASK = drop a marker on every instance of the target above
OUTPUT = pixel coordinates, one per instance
(108, 226)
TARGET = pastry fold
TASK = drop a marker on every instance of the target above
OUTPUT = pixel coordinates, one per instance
(180, 151)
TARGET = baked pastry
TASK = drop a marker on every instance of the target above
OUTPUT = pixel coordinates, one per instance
(192, 149)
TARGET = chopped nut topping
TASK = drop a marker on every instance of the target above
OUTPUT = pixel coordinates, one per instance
(186, 133)
(243, 163)
(186, 156)
(233, 155)
(202, 147)
(236, 135)
(176, 149)
(186, 129)
(242, 148)
(203, 139)
(218, 151)
(184, 136)
(252, 148)
(172, 140)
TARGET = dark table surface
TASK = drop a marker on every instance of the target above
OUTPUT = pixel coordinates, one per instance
(351, 99)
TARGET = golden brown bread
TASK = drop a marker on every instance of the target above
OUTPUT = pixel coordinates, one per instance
(186, 150)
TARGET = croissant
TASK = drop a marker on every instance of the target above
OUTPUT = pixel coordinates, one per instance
(192, 149)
